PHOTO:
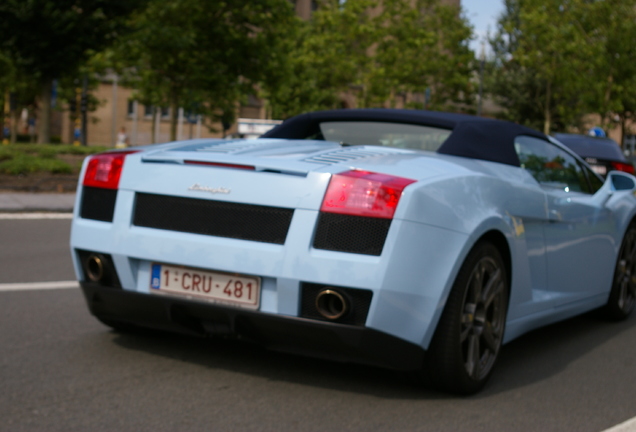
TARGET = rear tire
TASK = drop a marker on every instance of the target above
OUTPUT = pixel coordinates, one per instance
(623, 294)
(466, 344)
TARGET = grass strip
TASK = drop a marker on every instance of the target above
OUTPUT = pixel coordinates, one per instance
(21, 159)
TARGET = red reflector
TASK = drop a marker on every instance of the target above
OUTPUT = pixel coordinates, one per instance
(364, 193)
(625, 167)
(104, 169)
(218, 164)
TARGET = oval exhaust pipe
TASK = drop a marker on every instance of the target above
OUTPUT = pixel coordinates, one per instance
(331, 304)
(94, 268)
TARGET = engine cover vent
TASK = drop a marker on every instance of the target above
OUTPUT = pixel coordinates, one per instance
(349, 154)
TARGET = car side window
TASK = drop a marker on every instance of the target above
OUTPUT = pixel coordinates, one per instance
(595, 182)
(551, 166)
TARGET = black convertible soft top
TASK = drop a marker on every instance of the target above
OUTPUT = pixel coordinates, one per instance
(471, 137)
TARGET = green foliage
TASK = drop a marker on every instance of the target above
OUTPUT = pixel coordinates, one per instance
(20, 88)
(205, 55)
(18, 159)
(46, 153)
(377, 54)
(50, 39)
(541, 51)
(69, 88)
(611, 31)
(513, 85)
(422, 45)
(328, 55)
(5, 153)
(557, 61)
(25, 163)
(208, 56)
(78, 150)
(55, 149)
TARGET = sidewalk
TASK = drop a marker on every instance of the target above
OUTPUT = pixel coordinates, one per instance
(36, 202)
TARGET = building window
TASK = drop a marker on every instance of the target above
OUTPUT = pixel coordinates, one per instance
(149, 111)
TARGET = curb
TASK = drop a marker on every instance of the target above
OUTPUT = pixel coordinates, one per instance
(37, 202)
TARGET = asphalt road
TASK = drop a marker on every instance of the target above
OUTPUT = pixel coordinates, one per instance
(62, 370)
(35, 250)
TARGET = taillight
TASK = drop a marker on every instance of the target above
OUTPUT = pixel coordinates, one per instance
(104, 169)
(364, 193)
(622, 166)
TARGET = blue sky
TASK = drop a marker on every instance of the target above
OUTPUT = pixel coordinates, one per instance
(482, 15)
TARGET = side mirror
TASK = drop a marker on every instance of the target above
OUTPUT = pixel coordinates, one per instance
(616, 181)
(620, 181)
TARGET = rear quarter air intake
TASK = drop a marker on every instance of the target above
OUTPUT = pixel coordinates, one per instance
(98, 203)
(352, 234)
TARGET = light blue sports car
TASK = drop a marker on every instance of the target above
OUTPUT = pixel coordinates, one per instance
(413, 240)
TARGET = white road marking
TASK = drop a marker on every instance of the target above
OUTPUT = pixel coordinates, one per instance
(38, 286)
(628, 426)
(36, 215)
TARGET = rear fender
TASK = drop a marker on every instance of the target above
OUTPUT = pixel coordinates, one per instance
(507, 228)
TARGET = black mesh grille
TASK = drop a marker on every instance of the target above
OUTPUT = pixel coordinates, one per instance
(358, 301)
(215, 218)
(355, 234)
(98, 203)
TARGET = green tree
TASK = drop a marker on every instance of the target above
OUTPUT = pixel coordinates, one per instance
(50, 39)
(547, 55)
(377, 51)
(329, 56)
(209, 55)
(19, 91)
(513, 86)
(611, 31)
(422, 48)
(557, 61)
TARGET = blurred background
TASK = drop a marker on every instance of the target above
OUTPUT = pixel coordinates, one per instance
(133, 72)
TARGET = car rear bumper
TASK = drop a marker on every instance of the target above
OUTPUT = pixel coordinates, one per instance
(282, 333)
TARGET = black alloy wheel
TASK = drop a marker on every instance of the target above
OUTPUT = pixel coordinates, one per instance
(623, 295)
(468, 338)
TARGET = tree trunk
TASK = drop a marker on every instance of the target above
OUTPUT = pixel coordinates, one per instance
(15, 116)
(606, 116)
(155, 119)
(547, 111)
(174, 114)
(44, 112)
(623, 124)
(3, 118)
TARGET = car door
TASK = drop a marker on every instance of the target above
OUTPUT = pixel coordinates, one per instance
(579, 247)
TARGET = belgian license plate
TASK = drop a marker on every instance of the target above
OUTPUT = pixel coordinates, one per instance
(216, 287)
